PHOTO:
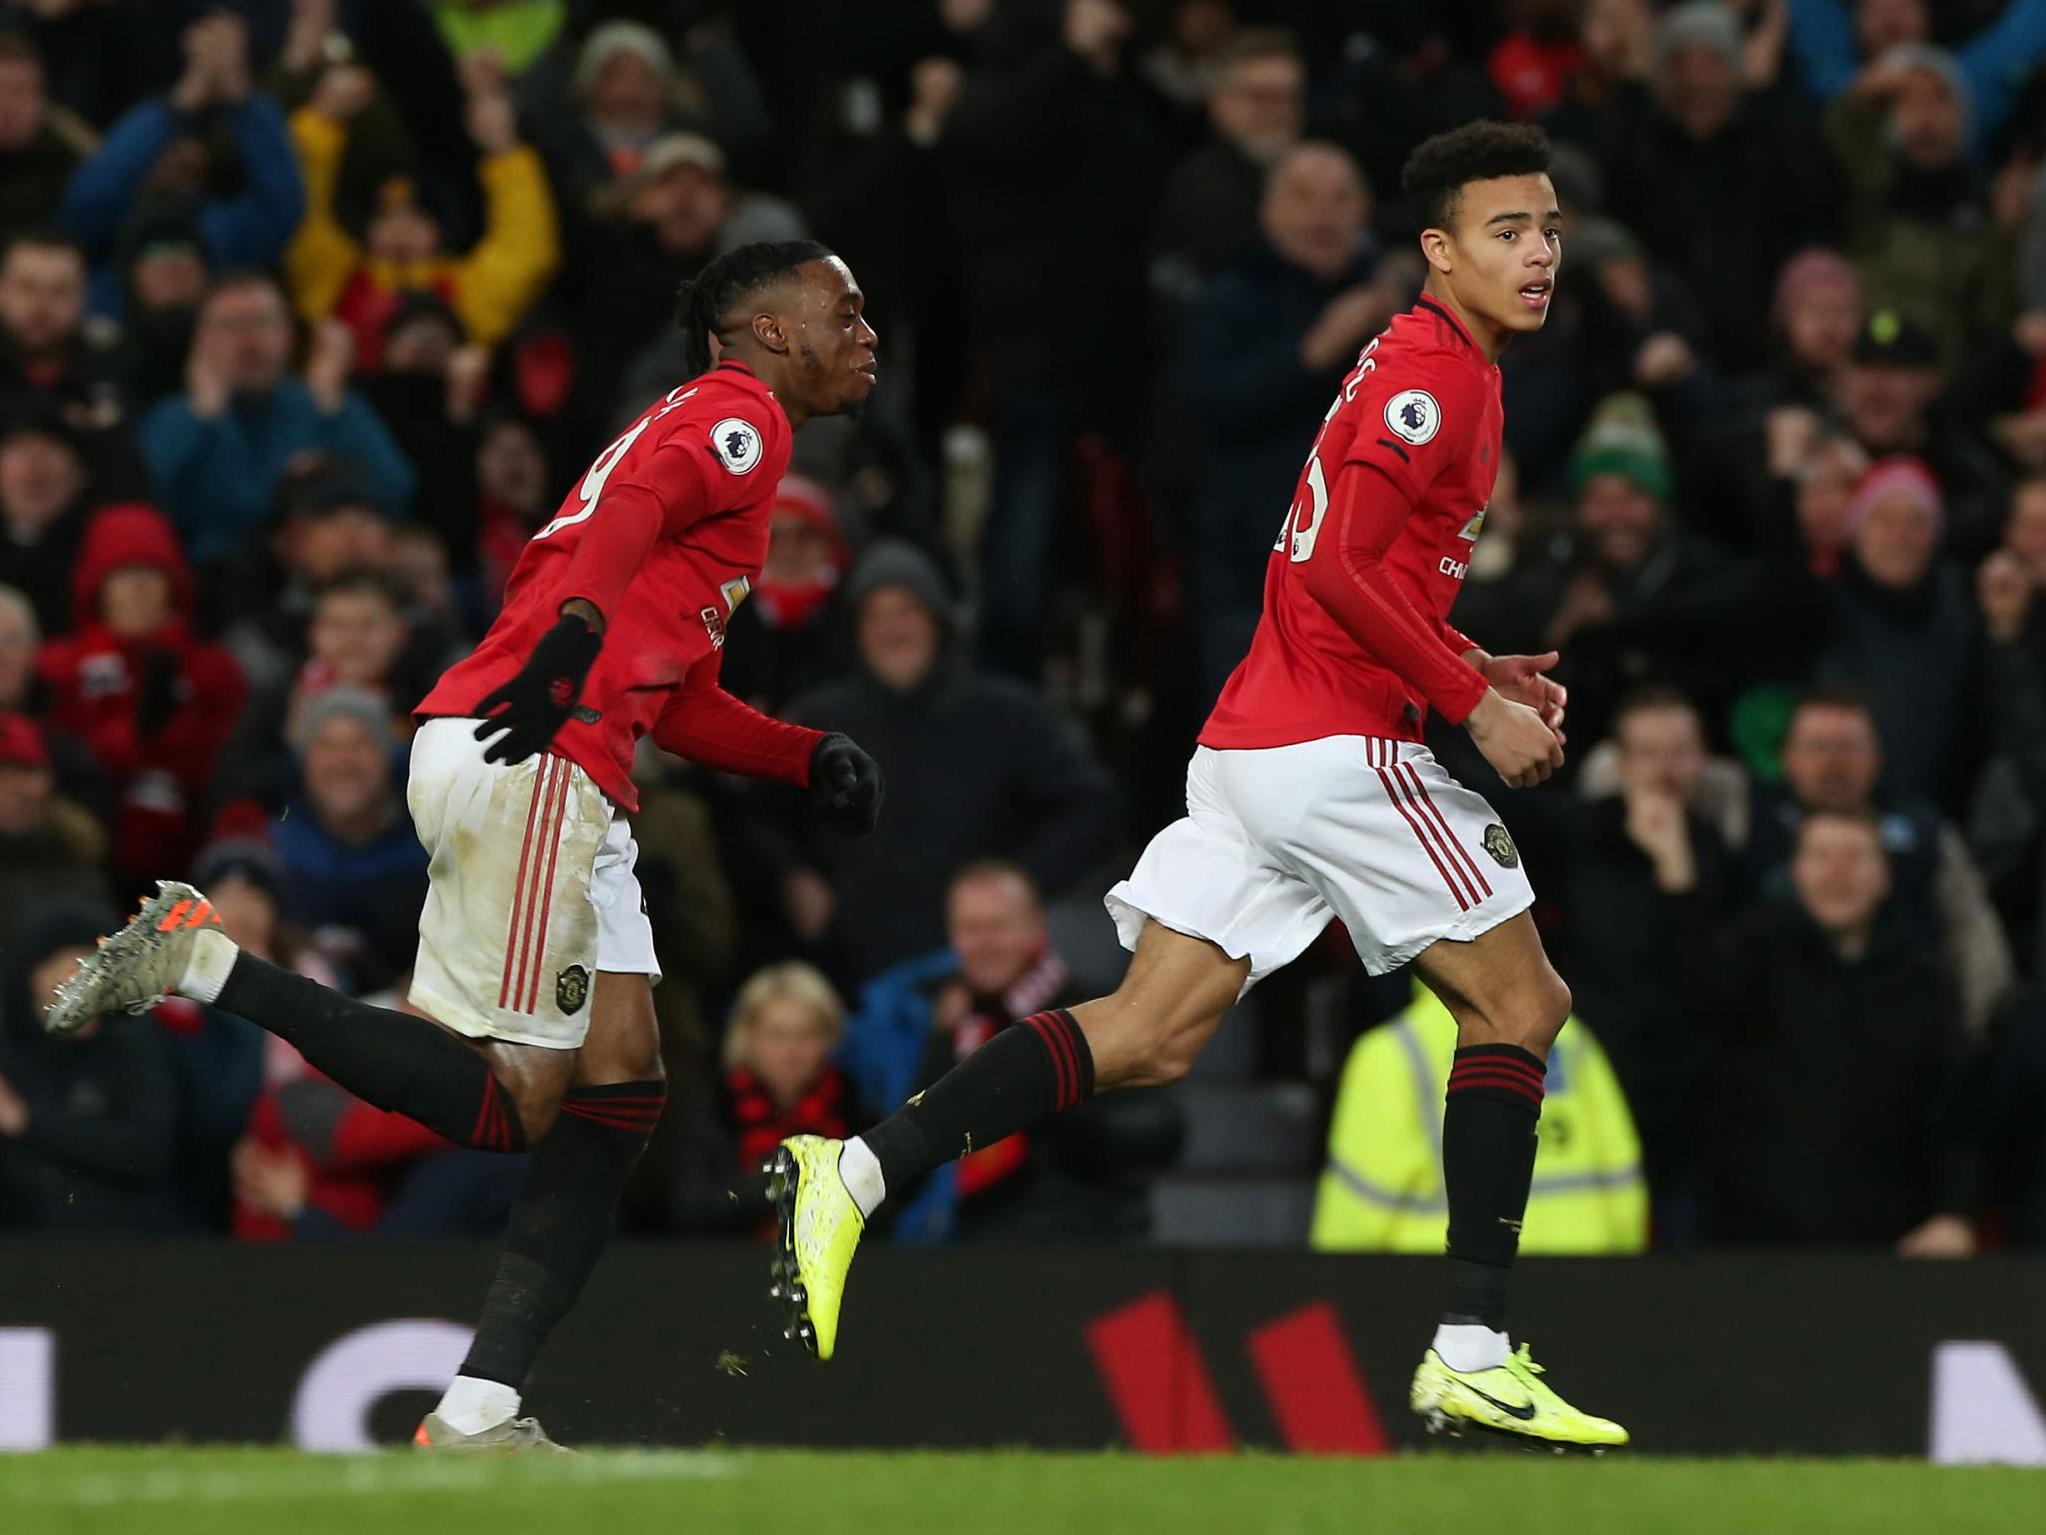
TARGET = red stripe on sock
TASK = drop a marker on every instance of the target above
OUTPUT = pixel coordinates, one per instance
(479, 1134)
(511, 930)
(1494, 1079)
(1413, 824)
(1457, 850)
(1063, 1090)
(1464, 1062)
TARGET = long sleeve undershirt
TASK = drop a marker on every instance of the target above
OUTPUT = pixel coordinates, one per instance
(1348, 576)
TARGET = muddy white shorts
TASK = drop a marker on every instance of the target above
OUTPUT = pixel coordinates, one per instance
(531, 891)
(1277, 841)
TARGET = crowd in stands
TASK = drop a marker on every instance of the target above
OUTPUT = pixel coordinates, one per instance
(310, 311)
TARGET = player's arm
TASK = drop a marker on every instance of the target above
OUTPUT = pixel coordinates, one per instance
(708, 725)
(663, 496)
(1347, 574)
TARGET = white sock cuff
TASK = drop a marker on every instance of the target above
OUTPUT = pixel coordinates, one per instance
(860, 1171)
(1468, 1346)
(213, 955)
(470, 1405)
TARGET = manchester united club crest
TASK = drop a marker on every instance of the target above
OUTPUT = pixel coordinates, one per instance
(1500, 846)
(572, 989)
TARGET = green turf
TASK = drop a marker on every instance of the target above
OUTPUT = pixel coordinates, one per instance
(277, 1492)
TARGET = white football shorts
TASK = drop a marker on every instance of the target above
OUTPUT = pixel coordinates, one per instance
(1276, 841)
(531, 891)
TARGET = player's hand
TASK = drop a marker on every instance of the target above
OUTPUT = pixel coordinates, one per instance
(528, 712)
(1520, 679)
(1514, 740)
(847, 785)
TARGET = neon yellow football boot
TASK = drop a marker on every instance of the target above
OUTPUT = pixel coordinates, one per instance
(1507, 1399)
(820, 1231)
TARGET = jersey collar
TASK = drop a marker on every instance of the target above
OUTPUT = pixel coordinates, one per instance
(1452, 322)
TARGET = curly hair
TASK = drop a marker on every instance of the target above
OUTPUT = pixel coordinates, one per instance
(1441, 167)
(705, 305)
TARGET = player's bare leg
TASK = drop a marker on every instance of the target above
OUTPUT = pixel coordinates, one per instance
(606, 1099)
(1146, 1034)
(1509, 1005)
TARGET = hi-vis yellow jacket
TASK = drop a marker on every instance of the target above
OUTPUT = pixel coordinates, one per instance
(1382, 1188)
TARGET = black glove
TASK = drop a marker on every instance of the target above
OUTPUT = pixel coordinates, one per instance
(532, 707)
(156, 696)
(847, 785)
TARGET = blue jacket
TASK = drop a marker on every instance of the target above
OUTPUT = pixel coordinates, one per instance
(249, 229)
(374, 889)
(1996, 62)
(218, 479)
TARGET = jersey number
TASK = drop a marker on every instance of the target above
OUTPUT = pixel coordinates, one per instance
(593, 482)
(1303, 519)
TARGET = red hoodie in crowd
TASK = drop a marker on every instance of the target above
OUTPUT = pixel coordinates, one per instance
(155, 708)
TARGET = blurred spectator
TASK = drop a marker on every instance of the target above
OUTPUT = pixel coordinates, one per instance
(1918, 224)
(429, 392)
(662, 223)
(1890, 398)
(218, 450)
(43, 503)
(88, 1122)
(403, 250)
(1084, 1178)
(1720, 182)
(776, 1079)
(1267, 343)
(1637, 874)
(1905, 633)
(220, 1059)
(1833, 760)
(1816, 992)
(354, 873)
(1056, 151)
(1815, 316)
(40, 146)
(1830, 39)
(329, 526)
(152, 701)
(50, 848)
(164, 277)
(1630, 595)
(1257, 103)
(787, 637)
(513, 498)
(165, 156)
(49, 355)
(982, 763)
(358, 637)
(1382, 1188)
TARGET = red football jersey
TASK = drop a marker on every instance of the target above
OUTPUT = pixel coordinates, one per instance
(1422, 407)
(718, 445)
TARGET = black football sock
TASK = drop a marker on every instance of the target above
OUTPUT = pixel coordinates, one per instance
(394, 1060)
(1030, 1071)
(1488, 1153)
(561, 1223)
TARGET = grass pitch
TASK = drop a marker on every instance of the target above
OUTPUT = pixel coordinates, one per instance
(280, 1492)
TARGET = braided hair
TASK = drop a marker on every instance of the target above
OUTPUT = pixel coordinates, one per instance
(706, 303)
